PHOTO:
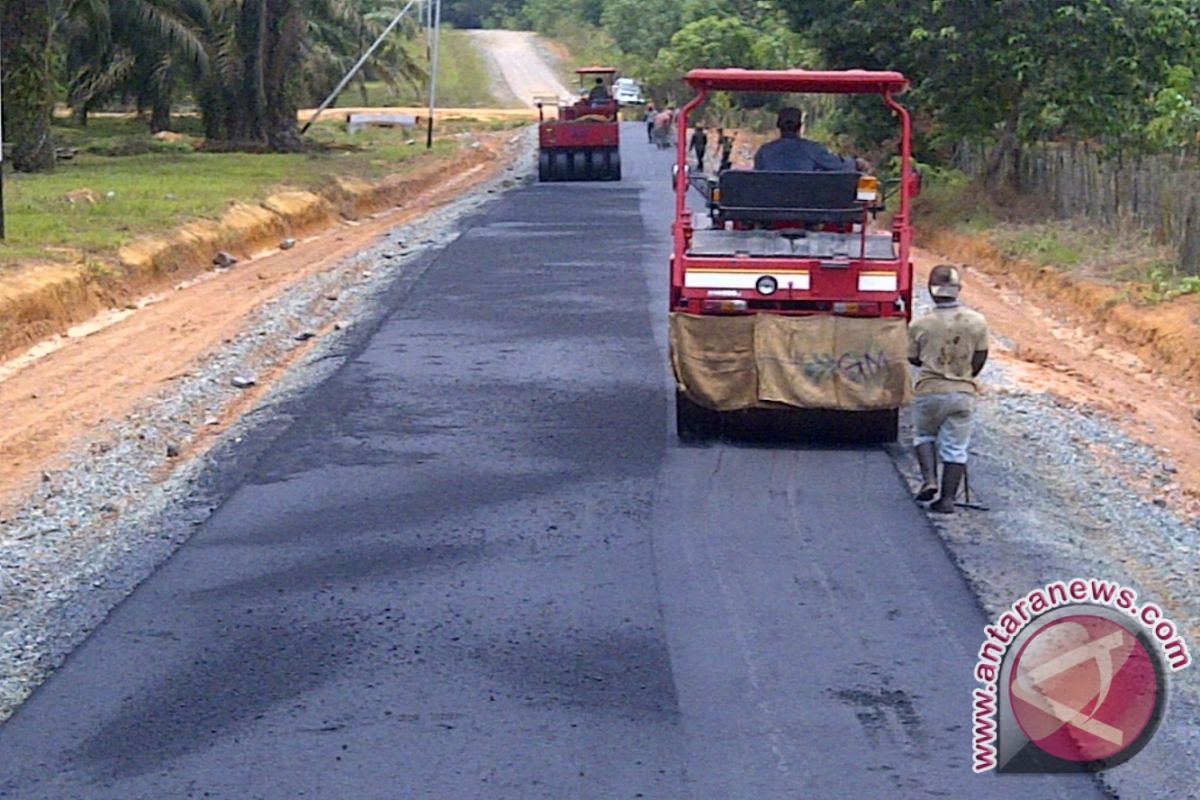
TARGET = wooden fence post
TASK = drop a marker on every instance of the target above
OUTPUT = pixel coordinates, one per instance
(1189, 250)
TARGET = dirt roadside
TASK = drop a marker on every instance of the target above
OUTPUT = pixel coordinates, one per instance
(1055, 347)
(58, 392)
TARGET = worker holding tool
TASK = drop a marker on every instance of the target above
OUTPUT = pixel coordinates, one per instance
(950, 346)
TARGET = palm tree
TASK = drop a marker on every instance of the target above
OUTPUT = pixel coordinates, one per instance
(281, 74)
(138, 48)
(246, 62)
(264, 51)
(28, 88)
(339, 32)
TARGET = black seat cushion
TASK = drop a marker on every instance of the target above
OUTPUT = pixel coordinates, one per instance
(801, 196)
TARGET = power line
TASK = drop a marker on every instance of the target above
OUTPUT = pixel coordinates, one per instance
(354, 70)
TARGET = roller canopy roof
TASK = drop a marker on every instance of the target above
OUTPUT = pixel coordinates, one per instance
(596, 70)
(851, 81)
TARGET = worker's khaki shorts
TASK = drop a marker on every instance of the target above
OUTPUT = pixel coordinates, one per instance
(946, 419)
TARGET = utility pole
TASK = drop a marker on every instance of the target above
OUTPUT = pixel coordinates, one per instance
(433, 68)
(2, 232)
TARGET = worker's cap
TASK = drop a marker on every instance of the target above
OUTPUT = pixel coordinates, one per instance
(945, 280)
(789, 118)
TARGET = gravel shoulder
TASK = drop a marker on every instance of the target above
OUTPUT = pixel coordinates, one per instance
(118, 502)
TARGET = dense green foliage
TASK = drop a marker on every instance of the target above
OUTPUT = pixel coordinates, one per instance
(1015, 71)
(658, 40)
(1004, 72)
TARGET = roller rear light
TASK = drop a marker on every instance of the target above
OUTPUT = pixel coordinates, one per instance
(724, 306)
(856, 309)
(878, 281)
(868, 188)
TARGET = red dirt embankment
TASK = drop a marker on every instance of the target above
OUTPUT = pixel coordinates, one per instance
(1164, 335)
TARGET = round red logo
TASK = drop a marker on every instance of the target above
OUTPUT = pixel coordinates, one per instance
(1084, 688)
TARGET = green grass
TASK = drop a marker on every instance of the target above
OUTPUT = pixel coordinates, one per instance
(1119, 258)
(1048, 243)
(1143, 270)
(146, 185)
(1087, 251)
(158, 191)
(110, 131)
(949, 200)
(464, 80)
(1165, 282)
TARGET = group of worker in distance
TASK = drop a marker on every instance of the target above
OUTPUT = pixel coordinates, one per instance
(660, 130)
(948, 345)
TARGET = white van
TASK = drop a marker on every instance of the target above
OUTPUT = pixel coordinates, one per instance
(627, 91)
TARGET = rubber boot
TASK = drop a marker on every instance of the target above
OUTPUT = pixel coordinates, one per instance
(927, 460)
(952, 475)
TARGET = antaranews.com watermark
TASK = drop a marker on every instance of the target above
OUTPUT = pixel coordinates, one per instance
(1073, 679)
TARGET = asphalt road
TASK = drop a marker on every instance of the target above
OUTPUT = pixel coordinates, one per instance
(478, 565)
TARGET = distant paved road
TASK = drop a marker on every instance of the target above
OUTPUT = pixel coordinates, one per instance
(478, 565)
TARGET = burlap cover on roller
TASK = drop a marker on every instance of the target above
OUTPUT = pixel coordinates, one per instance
(832, 362)
(735, 362)
(713, 359)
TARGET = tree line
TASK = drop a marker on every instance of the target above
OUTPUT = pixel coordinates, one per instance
(1122, 72)
(245, 66)
(1125, 73)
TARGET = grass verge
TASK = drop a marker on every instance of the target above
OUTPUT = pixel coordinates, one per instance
(258, 207)
(1128, 261)
(1117, 283)
(94, 204)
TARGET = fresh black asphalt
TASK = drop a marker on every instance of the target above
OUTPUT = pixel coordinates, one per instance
(478, 565)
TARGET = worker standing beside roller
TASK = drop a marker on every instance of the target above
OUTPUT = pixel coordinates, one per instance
(950, 346)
